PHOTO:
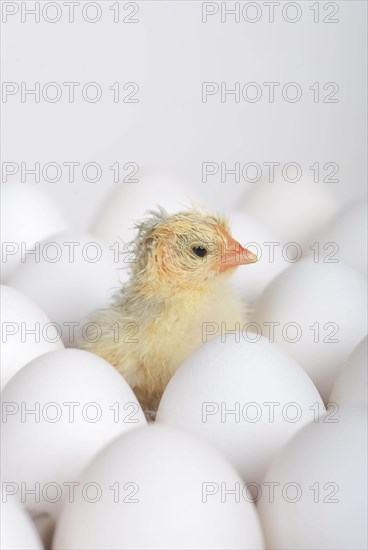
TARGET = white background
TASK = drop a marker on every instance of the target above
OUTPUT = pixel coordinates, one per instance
(169, 53)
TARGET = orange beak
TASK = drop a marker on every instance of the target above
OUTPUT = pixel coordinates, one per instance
(234, 254)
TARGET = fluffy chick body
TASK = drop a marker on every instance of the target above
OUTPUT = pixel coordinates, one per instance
(159, 317)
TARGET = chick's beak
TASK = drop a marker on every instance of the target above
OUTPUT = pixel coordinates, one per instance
(234, 254)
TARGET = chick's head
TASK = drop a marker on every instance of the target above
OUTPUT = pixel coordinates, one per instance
(187, 249)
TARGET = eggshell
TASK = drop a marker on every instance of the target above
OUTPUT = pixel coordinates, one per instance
(153, 491)
(28, 216)
(350, 387)
(17, 530)
(236, 394)
(83, 279)
(294, 211)
(26, 332)
(251, 280)
(320, 486)
(320, 308)
(349, 231)
(53, 444)
(129, 203)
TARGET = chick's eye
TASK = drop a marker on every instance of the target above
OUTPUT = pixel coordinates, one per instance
(199, 251)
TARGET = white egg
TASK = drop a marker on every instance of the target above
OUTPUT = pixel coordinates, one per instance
(79, 403)
(28, 217)
(293, 211)
(129, 204)
(223, 197)
(319, 486)
(250, 281)
(17, 529)
(349, 232)
(246, 398)
(26, 332)
(159, 488)
(317, 314)
(82, 278)
(350, 387)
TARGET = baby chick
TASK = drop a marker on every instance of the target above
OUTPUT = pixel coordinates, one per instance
(178, 282)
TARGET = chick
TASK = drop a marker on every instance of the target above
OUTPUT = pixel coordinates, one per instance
(178, 282)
